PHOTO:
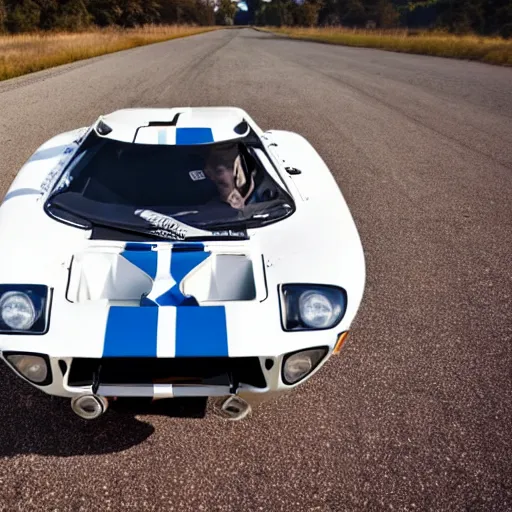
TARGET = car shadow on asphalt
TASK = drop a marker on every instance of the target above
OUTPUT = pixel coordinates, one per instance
(36, 423)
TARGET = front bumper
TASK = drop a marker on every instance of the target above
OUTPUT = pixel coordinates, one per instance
(253, 378)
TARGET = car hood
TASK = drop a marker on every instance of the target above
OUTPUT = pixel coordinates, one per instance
(96, 286)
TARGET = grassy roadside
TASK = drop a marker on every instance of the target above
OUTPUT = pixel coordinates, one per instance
(26, 53)
(492, 50)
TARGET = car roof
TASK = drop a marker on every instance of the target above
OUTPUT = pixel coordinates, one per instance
(174, 126)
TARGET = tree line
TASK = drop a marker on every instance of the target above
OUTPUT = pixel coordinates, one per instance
(489, 17)
(29, 15)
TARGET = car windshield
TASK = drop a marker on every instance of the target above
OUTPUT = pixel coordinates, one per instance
(151, 188)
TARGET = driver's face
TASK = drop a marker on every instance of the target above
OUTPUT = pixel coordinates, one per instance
(223, 177)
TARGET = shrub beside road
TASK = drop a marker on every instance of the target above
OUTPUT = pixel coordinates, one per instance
(25, 53)
(493, 50)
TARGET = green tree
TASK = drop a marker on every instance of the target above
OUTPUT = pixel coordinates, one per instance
(311, 11)
(3, 15)
(328, 14)
(150, 11)
(170, 11)
(461, 16)
(22, 16)
(286, 11)
(225, 14)
(187, 11)
(387, 15)
(104, 12)
(49, 10)
(72, 15)
(498, 17)
(131, 12)
(305, 14)
(269, 14)
(352, 13)
(205, 13)
(127, 13)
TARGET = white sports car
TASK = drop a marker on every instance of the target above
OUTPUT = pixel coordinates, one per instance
(177, 252)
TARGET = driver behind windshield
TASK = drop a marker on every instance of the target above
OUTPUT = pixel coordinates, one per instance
(224, 166)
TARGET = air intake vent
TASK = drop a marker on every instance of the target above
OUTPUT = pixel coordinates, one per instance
(183, 370)
(103, 128)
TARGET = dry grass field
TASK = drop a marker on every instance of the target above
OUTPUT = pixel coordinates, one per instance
(25, 53)
(493, 50)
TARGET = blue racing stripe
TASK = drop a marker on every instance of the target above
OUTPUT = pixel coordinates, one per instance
(194, 135)
(181, 264)
(201, 331)
(131, 332)
(184, 262)
(143, 259)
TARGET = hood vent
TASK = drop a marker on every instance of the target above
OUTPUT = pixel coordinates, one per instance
(128, 277)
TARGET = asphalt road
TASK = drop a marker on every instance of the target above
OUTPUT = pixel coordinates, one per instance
(416, 414)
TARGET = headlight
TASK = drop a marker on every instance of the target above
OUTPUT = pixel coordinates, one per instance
(312, 306)
(23, 309)
(316, 310)
(33, 367)
(299, 365)
(17, 311)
